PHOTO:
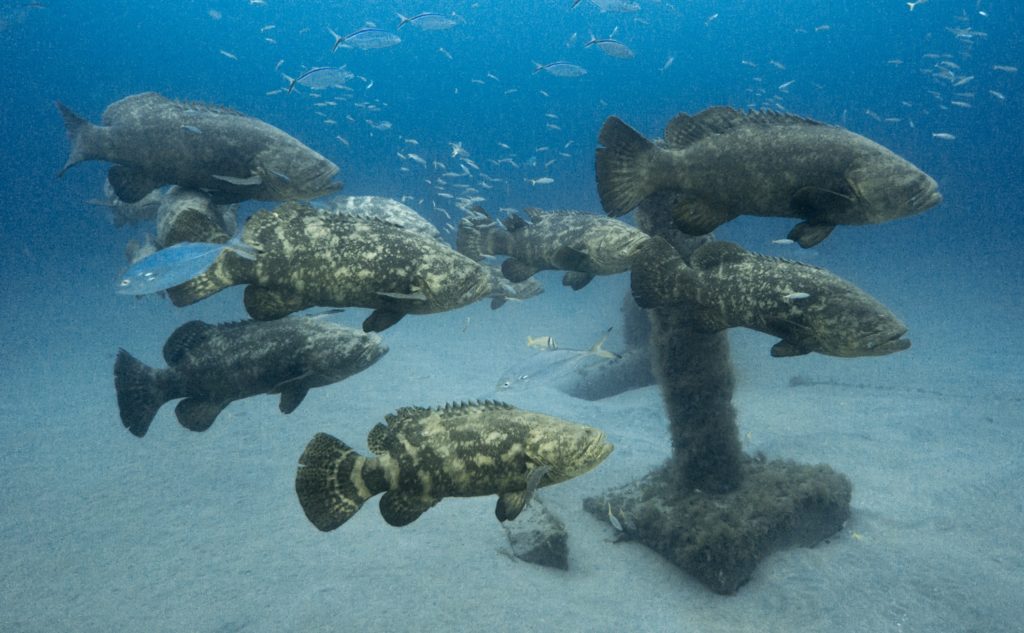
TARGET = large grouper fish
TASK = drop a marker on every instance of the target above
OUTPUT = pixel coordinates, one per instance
(155, 141)
(809, 308)
(726, 163)
(459, 450)
(210, 366)
(309, 257)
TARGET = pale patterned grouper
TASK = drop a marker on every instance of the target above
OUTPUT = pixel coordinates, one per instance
(424, 455)
(728, 163)
(581, 243)
(155, 141)
(317, 258)
(401, 215)
(212, 365)
(809, 308)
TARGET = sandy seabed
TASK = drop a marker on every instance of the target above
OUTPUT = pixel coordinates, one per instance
(180, 531)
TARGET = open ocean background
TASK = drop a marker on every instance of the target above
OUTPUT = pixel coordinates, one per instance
(100, 531)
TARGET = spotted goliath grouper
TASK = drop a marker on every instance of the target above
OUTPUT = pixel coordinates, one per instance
(725, 163)
(155, 141)
(581, 243)
(318, 258)
(424, 455)
(807, 307)
(394, 212)
(212, 365)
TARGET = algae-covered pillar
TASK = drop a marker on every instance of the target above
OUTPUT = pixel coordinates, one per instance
(712, 510)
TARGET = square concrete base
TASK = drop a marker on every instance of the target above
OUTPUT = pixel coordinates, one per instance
(720, 539)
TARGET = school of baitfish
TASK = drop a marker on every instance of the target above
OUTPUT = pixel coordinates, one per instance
(378, 254)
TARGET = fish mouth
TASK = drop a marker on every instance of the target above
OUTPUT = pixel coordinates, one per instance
(598, 449)
(926, 198)
(894, 343)
(373, 352)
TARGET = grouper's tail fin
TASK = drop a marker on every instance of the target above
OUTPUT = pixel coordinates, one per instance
(622, 167)
(139, 392)
(480, 234)
(333, 481)
(659, 276)
(80, 133)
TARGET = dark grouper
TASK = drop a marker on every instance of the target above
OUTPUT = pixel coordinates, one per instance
(425, 455)
(318, 258)
(581, 243)
(154, 141)
(727, 163)
(809, 308)
(212, 365)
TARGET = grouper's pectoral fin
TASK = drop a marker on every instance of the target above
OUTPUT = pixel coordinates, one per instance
(399, 509)
(783, 349)
(576, 280)
(516, 270)
(807, 235)
(380, 320)
(291, 398)
(198, 415)
(569, 258)
(511, 504)
(130, 185)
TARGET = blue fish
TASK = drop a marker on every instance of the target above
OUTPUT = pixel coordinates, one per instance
(365, 38)
(177, 264)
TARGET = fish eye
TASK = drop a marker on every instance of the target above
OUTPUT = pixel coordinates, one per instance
(125, 283)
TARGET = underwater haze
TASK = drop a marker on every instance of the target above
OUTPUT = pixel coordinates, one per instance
(184, 531)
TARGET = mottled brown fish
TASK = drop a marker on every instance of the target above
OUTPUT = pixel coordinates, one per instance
(401, 215)
(318, 258)
(809, 308)
(726, 163)
(581, 243)
(210, 366)
(424, 455)
(155, 141)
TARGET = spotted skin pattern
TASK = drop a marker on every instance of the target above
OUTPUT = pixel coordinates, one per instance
(459, 450)
(317, 258)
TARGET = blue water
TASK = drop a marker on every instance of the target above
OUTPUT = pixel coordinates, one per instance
(953, 273)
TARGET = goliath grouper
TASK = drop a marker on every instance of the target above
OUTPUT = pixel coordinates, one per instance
(425, 455)
(400, 215)
(212, 365)
(154, 141)
(726, 163)
(318, 258)
(807, 307)
(581, 243)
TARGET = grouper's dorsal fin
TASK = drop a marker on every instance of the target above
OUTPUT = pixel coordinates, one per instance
(714, 253)
(380, 440)
(405, 415)
(462, 407)
(535, 214)
(130, 105)
(184, 339)
(684, 129)
(201, 106)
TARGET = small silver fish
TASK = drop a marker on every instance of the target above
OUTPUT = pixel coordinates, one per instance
(796, 296)
(560, 69)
